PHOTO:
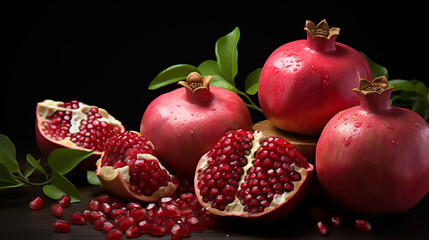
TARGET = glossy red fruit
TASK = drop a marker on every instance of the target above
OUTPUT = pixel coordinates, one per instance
(248, 175)
(74, 125)
(77, 218)
(37, 203)
(185, 123)
(114, 235)
(57, 210)
(64, 201)
(383, 146)
(61, 226)
(305, 82)
(130, 169)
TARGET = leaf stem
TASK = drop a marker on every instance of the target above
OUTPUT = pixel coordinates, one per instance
(252, 103)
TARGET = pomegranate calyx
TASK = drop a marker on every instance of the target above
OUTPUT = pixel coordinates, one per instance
(378, 85)
(197, 88)
(321, 30)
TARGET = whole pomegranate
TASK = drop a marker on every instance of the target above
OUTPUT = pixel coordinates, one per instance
(374, 158)
(250, 176)
(74, 125)
(185, 123)
(130, 169)
(305, 82)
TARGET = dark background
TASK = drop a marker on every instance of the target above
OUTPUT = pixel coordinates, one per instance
(106, 54)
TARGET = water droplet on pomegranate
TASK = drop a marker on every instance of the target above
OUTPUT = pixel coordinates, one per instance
(325, 82)
(178, 105)
(368, 124)
(276, 70)
(175, 118)
(213, 108)
(395, 142)
(357, 125)
(191, 131)
(295, 69)
(347, 141)
(192, 114)
(390, 125)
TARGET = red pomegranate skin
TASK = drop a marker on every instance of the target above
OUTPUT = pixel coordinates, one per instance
(184, 125)
(305, 82)
(374, 158)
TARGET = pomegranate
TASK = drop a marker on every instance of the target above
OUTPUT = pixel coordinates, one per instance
(74, 125)
(374, 158)
(296, 71)
(129, 168)
(185, 123)
(248, 175)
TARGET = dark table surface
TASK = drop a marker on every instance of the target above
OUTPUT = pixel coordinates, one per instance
(18, 221)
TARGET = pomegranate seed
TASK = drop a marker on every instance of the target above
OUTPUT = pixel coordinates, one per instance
(144, 226)
(336, 221)
(138, 214)
(64, 201)
(114, 213)
(57, 210)
(61, 226)
(133, 231)
(106, 208)
(114, 235)
(362, 225)
(77, 218)
(108, 227)
(195, 224)
(322, 228)
(95, 215)
(176, 232)
(37, 203)
(132, 205)
(98, 224)
(156, 230)
(125, 223)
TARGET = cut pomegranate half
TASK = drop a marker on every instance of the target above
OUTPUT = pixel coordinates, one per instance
(129, 168)
(74, 125)
(248, 175)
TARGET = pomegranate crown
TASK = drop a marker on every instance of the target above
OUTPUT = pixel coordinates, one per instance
(321, 30)
(194, 82)
(379, 85)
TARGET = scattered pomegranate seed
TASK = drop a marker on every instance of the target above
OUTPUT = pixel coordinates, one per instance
(98, 224)
(37, 203)
(322, 228)
(336, 221)
(362, 225)
(64, 201)
(108, 227)
(61, 226)
(57, 210)
(114, 235)
(77, 218)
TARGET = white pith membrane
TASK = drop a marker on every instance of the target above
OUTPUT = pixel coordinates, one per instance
(235, 207)
(108, 174)
(48, 107)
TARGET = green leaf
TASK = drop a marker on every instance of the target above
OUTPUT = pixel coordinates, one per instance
(35, 164)
(8, 154)
(251, 83)
(7, 185)
(172, 74)
(63, 160)
(219, 81)
(61, 186)
(209, 67)
(400, 84)
(376, 69)
(227, 55)
(92, 178)
(6, 176)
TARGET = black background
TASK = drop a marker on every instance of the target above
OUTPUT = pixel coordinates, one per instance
(105, 54)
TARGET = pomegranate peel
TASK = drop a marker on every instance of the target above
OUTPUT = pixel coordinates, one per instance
(74, 125)
(116, 169)
(257, 179)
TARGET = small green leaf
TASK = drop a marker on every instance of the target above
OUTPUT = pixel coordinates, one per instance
(6, 175)
(227, 55)
(209, 67)
(172, 74)
(251, 83)
(219, 81)
(376, 69)
(63, 160)
(400, 84)
(35, 164)
(61, 186)
(8, 154)
(7, 185)
(92, 178)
